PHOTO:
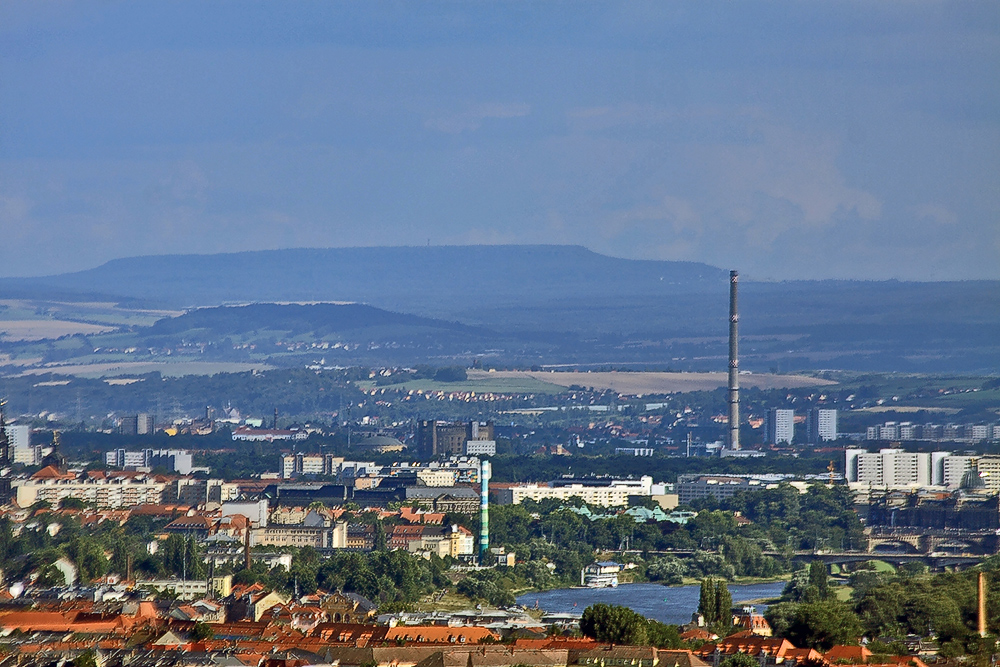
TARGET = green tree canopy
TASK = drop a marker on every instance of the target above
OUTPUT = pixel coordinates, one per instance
(614, 624)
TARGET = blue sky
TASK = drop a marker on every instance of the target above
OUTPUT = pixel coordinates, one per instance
(786, 139)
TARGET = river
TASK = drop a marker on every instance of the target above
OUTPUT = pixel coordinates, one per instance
(670, 604)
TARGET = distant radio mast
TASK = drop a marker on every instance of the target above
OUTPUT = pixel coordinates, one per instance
(734, 364)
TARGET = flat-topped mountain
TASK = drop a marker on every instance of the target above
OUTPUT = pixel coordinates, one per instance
(393, 277)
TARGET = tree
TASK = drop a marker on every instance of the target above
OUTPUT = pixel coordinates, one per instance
(669, 570)
(707, 601)
(818, 625)
(715, 602)
(202, 631)
(380, 541)
(85, 659)
(723, 604)
(739, 660)
(662, 635)
(613, 624)
(818, 578)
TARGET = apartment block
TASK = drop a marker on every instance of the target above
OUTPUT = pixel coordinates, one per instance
(780, 426)
(822, 425)
(888, 468)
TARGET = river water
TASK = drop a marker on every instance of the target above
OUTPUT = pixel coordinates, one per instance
(670, 604)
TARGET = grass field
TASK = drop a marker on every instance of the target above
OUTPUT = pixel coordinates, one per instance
(908, 408)
(93, 312)
(481, 383)
(653, 383)
(18, 330)
(176, 369)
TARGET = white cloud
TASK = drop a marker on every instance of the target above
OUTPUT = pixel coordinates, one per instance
(472, 117)
(936, 213)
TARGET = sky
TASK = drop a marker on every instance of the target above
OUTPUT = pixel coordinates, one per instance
(789, 140)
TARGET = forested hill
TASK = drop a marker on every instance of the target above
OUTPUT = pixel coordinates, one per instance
(318, 320)
(392, 277)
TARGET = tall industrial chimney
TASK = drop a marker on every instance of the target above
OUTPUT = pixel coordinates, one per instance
(484, 512)
(734, 364)
(981, 607)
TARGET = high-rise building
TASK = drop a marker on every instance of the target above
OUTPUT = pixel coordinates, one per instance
(780, 426)
(145, 424)
(174, 460)
(889, 468)
(128, 425)
(822, 425)
(18, 435)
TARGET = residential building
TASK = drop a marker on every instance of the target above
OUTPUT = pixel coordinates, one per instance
(889, 468)
(249, 434)
(605, 493)
(144, 424)
(103, 491)
(320, 537)
(780, 426)
(196, 492)
(173, 460)
(480, 448)
(18, 435)
(822, 425)
(437, 477)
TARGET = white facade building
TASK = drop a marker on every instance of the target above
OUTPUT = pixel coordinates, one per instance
(780, 426)
(18, 435)
(611, 494)
(890, 468)
(822, 425)
(480, 447)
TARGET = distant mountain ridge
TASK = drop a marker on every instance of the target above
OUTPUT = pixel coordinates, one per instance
(555, 304)
(392, 277)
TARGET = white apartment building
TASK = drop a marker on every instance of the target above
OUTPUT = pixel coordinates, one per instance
(822, 425)
(611, 494)
(888, 468)
(955, 468)
(437, 477)
(109, 492)
(481, 448)
(20, 449)
(894, 468)
(780, 426)
(29, 456)
(18, 435)
(179, 461)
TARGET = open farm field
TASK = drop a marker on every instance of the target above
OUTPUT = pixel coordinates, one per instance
(907, 408)
(481, 383)
(106, 313)
(656, 382)
(30, 330)
(175, 369)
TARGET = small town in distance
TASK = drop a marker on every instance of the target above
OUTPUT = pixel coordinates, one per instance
(435, 523)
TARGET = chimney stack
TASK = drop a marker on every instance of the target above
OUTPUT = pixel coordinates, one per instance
(734, 365)
(982, 604)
